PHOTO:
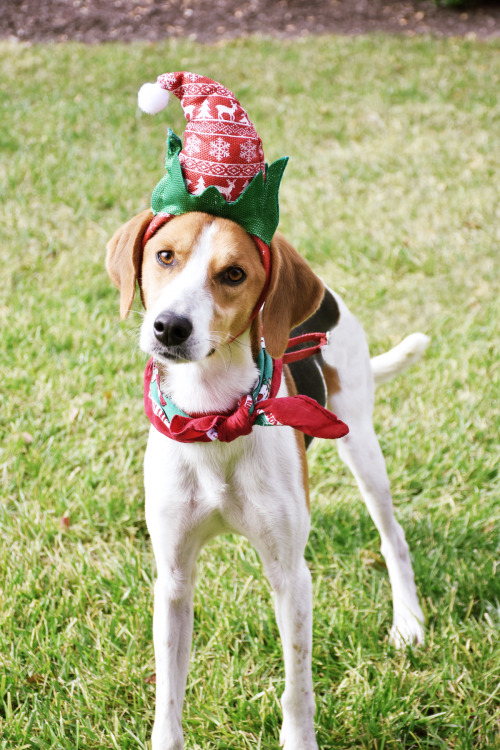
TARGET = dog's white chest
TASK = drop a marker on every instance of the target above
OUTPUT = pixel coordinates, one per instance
(209, 488)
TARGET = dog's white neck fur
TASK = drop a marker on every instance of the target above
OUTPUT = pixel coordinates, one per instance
(214, 384)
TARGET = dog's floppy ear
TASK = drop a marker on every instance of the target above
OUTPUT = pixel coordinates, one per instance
(124, 258)
(294, 294)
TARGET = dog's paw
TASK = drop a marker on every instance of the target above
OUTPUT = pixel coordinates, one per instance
(164, 740)
(407, 630)
(292, 738)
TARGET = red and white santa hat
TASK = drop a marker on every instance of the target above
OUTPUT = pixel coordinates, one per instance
(221, 146)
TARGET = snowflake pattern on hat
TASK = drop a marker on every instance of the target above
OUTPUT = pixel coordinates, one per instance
(247, 150)
(192, 145)
(224, 135)
(219, 148)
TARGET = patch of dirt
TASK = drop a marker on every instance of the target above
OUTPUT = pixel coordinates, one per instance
(211, 20)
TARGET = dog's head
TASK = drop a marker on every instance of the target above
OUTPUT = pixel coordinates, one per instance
(200, 278)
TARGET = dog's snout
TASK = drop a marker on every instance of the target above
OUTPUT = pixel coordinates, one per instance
(172, 330)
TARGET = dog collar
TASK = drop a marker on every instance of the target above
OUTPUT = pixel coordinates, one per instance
(262, 407)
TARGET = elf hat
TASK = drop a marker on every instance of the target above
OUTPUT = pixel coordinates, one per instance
(221, 169)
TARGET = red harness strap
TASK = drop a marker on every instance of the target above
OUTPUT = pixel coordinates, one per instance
(320, 338)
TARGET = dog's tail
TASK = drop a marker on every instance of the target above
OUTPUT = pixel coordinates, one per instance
(389, 364)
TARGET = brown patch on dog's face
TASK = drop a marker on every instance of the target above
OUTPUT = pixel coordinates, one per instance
(236, 277)
(232, 272)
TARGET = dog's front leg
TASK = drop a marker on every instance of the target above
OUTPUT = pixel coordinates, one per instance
(175, 547)
(275, 518)
(172, 634)
(293, 603)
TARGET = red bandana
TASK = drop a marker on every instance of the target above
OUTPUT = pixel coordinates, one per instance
(263, 407)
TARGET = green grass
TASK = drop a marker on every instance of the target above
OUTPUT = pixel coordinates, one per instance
(392, 195)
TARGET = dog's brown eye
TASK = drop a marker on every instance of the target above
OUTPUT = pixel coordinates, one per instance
(165, 257)
(234, 275)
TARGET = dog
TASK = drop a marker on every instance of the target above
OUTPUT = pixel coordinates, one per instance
(200, 278)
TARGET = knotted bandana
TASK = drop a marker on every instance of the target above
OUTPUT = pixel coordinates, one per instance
(261, 407)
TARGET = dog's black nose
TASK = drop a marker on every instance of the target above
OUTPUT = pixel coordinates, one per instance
(171, 329)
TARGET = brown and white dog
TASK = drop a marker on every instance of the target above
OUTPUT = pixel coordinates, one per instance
(200, 278)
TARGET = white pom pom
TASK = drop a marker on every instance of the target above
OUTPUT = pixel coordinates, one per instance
(152, 98)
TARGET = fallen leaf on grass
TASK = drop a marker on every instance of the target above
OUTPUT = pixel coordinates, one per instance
(151, 680)
(35, 679)
(369, 557)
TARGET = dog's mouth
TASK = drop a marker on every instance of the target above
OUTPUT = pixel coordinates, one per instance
(177, 355)
(168, 357)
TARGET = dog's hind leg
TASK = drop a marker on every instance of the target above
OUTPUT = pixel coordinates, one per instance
(352, 401)
(360, 450)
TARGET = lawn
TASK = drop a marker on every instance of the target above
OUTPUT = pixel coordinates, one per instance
(392, 195)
